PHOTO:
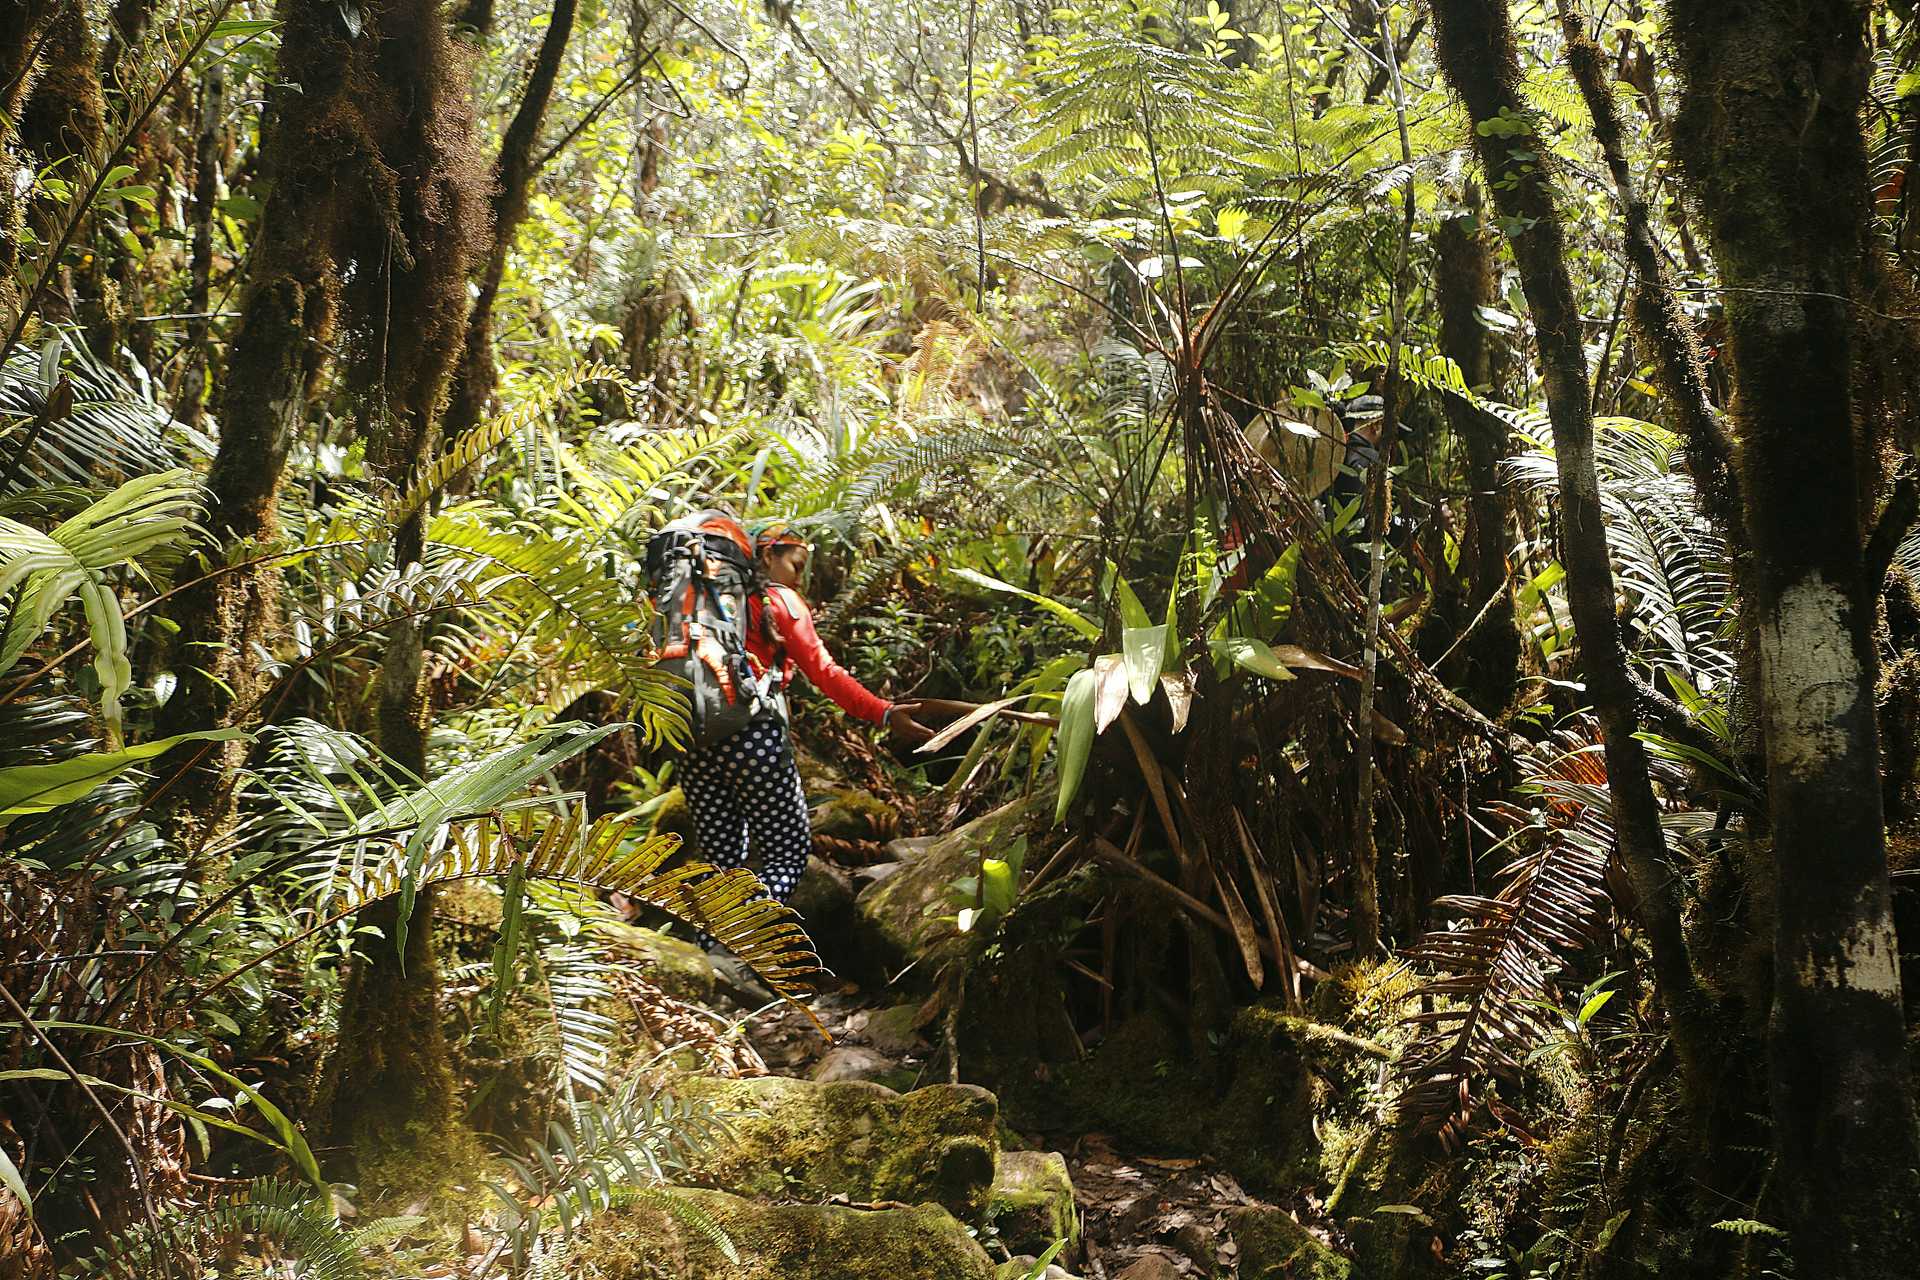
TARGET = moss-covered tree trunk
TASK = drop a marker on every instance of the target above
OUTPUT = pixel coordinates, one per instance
(513, 174)
(390, 1110)
(1465, 282)
(22, 27)
(1770, 136)
(317, 174)
(1476, 48)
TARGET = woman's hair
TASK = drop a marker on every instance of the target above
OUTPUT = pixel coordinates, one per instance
(775, 535)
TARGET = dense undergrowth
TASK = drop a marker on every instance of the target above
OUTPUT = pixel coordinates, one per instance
(1427, 735)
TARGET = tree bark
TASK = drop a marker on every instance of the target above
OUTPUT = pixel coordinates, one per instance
(513, 173)
(23, 29)
(1769, 135)
(287, 322)
(389, 1104)
(1476, 51)
(1464, 282)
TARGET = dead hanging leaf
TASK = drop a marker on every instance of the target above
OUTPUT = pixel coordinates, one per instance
(1308, 660)
(964, 723)
(1109, 690)
(1241, 919)
(1179, 689)
(1388, 732)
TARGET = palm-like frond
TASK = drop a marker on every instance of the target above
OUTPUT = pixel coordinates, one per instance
(556, 592)
(1666, 550)
(476, 444)
(607, 855)
(113, 432)
(148, 517)
(1498, 965)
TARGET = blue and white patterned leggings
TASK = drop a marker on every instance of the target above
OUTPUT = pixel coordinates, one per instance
(746, 797)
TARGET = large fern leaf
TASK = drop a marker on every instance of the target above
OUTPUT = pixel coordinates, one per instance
(1494, 993)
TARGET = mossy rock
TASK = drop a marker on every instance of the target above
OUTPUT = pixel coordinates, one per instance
(1032, 1204)
(643, 1241)
(848, 813)
(797, 1139)
(1275, 1247)
(1264, 1100)
(675, 965)
(671, 816)
(1388, 1171)
(910, 911)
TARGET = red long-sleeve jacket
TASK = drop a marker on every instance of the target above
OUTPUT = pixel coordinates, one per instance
(791, 641)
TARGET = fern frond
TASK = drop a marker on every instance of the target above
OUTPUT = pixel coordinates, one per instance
(606, 854)
(1494, 993)
(609, 1154)
(281, 1222)
(476, 444)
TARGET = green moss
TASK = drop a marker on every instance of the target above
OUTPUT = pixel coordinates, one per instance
(643, 1241)
(848, 813)
(852, 1138)
(1142, 1083)
(1032, 1204)
(1275, 1247)
(676, 966)
(909, 911)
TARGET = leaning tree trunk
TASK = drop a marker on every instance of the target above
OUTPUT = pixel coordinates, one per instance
(1770, 136)
(513, 174)
(389, 1103)
(1476, 49)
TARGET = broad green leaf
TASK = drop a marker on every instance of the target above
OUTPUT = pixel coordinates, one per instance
(1132, 612)
(1256, 656)
(998, 888)
(1066, 613)
(1076, 737)
(1593, 1006)
(1145, 652)
(36, 788)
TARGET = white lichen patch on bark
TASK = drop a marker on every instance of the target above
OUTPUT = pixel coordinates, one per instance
(1864, 960)
(1812, 678)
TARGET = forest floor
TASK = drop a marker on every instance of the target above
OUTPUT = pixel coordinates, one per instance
(1144, 1216)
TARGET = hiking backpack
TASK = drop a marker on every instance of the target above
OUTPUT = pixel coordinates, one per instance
(701, 575)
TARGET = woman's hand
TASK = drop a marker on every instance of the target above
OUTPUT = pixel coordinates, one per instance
(900, 721)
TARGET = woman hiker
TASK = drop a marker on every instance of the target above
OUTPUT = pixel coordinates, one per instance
(744, 791)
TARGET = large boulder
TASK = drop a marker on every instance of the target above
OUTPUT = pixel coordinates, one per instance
(853, 1139)
(1032, 1204)
(642, 1240)
(1274, 1246)
(911, 911)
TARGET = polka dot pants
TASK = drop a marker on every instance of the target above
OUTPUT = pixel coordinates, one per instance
(746, 797)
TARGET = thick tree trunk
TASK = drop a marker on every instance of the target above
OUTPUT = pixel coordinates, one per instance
(287, 322)
(1769, 133)
(390, 1106)
(1476, 50)
(1464, 282)
(23, 29)
(513, 174)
